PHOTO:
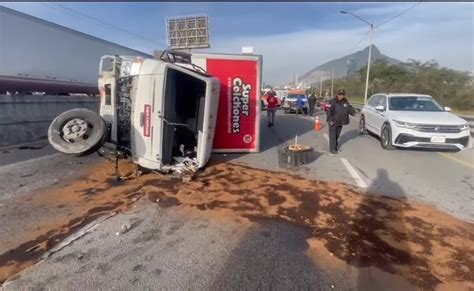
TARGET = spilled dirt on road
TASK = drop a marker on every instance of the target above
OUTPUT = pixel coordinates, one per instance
(414, 241)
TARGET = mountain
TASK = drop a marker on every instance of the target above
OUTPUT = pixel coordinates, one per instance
(344, 66)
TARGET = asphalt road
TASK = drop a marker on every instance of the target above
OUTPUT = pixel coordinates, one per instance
(171, 249)
(443, 179)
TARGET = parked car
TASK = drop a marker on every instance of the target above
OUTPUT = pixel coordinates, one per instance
(412, 120)
(289, 104)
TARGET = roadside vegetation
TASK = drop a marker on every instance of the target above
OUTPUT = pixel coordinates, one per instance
(449, 87)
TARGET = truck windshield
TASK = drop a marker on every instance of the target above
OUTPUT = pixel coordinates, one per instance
(415, 103)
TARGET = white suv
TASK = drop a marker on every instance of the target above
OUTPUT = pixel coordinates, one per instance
(412, 120)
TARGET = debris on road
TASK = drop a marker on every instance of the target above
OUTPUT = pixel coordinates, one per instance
(124, 228)
(420, 243)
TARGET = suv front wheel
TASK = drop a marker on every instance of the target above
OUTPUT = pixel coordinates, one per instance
(386, 138)
(362, 128)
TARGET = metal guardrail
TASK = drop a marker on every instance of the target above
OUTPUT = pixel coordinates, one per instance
(469, 119)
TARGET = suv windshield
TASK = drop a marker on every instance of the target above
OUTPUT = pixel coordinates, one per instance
(416, 103)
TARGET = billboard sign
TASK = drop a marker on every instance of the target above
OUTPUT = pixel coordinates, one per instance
(187, 32)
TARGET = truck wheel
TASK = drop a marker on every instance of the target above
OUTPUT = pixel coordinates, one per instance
(77, 132)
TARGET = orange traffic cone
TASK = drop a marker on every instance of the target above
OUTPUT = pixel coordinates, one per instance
(317, 124)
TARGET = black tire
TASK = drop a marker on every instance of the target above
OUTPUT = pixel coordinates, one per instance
(305, 111)
(386, 138)
(91, 135)
(362, 128)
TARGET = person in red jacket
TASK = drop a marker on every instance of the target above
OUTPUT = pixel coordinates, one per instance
(271, 107)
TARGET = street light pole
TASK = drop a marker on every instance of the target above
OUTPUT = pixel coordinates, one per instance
(370, 52)
(368, 64)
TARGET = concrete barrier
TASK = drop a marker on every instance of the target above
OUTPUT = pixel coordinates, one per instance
(26, 118)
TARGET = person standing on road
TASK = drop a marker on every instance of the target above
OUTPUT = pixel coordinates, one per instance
(312, 103)
(338, 115)
(271, 108)
(300, 104)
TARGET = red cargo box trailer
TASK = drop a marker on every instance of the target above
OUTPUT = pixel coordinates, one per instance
(238, 119)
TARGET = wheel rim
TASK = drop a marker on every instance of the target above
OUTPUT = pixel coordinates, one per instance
(385, 137)
(75, 130)
(361, 125)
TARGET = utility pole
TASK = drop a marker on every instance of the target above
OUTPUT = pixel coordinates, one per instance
(332, 82)
(370, 51)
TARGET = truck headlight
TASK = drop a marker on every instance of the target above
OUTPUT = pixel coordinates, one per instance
(130, 67)
(125, 68)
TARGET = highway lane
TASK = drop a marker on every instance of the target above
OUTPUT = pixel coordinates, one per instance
(444, 179)
(173, 250)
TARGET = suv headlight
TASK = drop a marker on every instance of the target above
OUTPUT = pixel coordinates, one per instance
(464, 127)
(404, 124)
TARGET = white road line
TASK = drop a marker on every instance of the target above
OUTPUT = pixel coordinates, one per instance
(9, 166)
(326, 137)
(354, 174)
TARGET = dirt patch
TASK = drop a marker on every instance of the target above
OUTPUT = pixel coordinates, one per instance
(407, 240)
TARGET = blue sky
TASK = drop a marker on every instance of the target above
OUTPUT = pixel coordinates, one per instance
(293, 37)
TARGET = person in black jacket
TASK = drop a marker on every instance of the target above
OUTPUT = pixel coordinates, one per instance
(338, 115)
(312, 103)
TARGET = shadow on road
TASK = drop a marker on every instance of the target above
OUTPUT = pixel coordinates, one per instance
(347, 136)
(378, 236)
(272, 256)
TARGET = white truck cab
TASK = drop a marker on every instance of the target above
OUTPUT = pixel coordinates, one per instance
(158, 112)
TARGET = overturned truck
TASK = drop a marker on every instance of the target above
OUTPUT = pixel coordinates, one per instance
(159, 112)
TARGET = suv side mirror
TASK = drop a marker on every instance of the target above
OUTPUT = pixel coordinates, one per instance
(446, 108)
(380, 108)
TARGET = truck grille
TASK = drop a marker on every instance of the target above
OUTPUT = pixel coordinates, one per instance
(438, 128)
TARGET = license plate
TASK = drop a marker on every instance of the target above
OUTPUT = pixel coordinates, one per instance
(438, 139)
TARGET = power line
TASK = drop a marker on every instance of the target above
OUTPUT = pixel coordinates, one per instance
(76, 13)
(398, 15)
(358, 43)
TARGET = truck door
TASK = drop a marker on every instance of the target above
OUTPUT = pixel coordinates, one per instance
(145, 136)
